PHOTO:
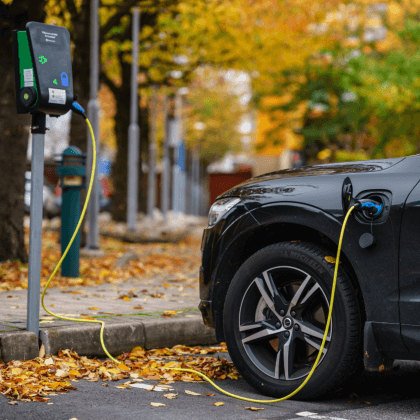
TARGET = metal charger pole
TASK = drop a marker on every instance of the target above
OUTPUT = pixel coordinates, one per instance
(35, 233)
(93, 114)
(133, 131)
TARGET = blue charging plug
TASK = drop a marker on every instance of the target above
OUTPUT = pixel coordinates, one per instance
(374, 208)
(77, 108)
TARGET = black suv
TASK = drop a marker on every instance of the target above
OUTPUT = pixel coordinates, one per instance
(268, 263)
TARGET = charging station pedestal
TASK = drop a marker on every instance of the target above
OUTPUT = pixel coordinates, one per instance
(72, 172)
(44, 86)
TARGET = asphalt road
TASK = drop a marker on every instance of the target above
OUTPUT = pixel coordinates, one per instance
(386, 396)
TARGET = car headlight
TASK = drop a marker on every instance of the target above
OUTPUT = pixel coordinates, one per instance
(220, 207)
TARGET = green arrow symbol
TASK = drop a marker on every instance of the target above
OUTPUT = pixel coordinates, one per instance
(42, 59)
(55, 82)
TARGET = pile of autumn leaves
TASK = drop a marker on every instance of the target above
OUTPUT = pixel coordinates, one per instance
(43, 377)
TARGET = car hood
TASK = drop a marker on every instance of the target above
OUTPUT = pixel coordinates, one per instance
(247, 188)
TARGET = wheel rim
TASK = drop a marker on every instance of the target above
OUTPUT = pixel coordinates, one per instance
(282, 320)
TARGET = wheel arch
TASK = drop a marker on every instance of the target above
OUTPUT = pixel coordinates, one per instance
(258, 237)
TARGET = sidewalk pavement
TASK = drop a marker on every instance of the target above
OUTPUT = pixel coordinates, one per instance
(133, 311)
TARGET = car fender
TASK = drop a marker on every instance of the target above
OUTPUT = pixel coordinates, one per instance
(380, 262)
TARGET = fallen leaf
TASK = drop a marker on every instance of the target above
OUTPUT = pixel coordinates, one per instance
(211, 395)
(93, 308)
(170, 312)
(60, 373)
(157, 404)
(50, 403)
(331, 260)
(48, 361)
(137, 307)
(254, 408)
(191, 393)
(170, 396)
(122, 366)
(218, 404)
(13, 403)
(42, 351)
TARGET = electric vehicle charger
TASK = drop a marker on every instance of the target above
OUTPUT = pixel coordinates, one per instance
(79, 110)
(327, 326)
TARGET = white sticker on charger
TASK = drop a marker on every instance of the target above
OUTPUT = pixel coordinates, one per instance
(57, 96)
(28, 77)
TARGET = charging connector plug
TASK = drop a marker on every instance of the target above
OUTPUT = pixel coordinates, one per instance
(371, 208)
(77, 108)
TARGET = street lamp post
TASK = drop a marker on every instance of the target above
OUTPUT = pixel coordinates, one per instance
(151, 184)
(166, 162)
(92, 241)
(133, 130)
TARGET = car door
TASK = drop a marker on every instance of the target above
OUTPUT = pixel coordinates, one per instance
(409, 272)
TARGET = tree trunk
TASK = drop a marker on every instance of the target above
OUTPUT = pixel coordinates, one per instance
(14, 133)
(119, 168)
(122, 121)
(13, 147)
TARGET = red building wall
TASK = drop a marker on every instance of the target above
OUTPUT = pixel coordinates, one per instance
(220, 182)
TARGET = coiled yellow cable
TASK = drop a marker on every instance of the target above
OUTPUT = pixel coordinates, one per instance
(68, 247)
(327, 326)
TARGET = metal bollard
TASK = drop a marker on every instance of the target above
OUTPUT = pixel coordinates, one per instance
(72, 172)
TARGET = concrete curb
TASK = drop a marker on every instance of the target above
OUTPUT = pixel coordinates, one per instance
(120, 336)
(19, 345)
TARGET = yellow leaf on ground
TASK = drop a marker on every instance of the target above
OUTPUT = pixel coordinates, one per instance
(93, 308)
(170, 364)
(218, 404)
(42, 351)
(74, 372)
(61, 373)
(170, 396)
(126, 298)
(170, 312)
(49, 361)
(191, 392)
(157, 404)
(253, 408)
(122, 366)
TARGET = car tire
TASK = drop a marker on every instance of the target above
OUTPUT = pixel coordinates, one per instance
(274, 320)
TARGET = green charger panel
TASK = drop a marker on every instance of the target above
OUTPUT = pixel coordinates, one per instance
(26, 87)
(43, 69)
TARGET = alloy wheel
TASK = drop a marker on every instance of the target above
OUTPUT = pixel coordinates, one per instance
(282, 320)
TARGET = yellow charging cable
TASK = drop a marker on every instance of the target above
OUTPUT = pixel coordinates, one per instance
(327, 326)
(179, 369)
(67, 250)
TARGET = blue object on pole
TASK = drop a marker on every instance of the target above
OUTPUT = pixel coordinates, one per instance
(181, 157)
(72, 172)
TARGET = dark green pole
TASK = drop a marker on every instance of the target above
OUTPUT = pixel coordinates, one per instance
(72, 172)
(70, 214)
